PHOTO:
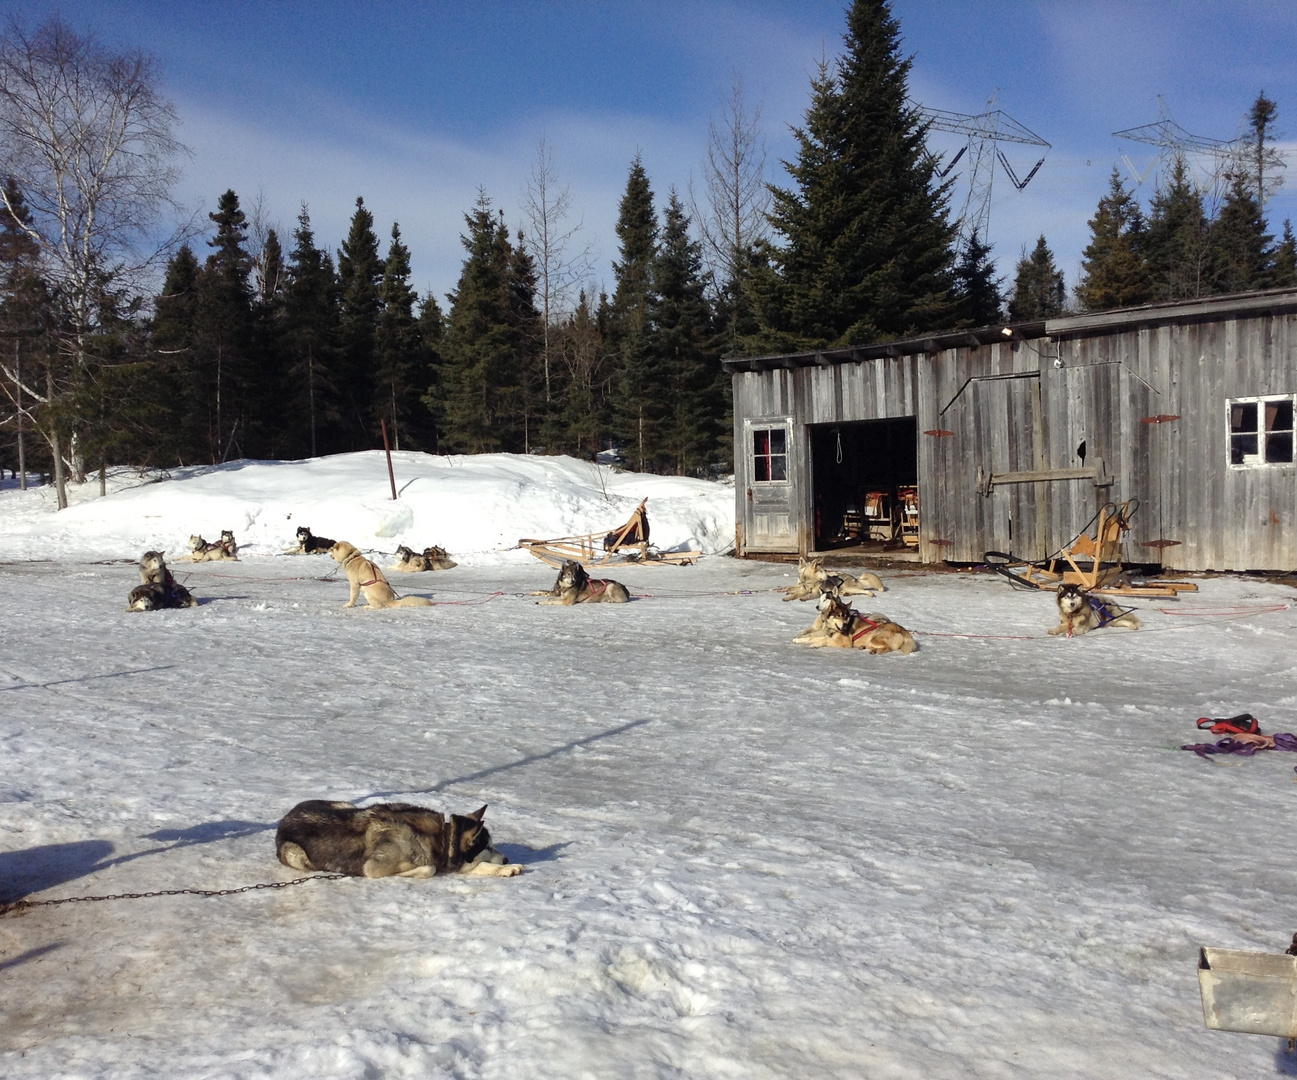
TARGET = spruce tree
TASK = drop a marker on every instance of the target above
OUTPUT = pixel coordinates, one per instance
(174, 338)
(432, 329)
(977, 289)
(529, 342)
(635, 378)
(308, 336)
(1240, 247)
(227, 361)
(686, 410)
(1284, 273)
(400, 361)
(867, 244)
(1176, 242)
(479, 356)
(360, 271)
(1114, 273)
(1038, 291)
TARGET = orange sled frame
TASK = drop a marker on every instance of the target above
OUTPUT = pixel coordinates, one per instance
(627, 543)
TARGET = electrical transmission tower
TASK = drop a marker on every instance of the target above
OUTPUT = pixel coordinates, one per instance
(985, 132)
(1224, 157)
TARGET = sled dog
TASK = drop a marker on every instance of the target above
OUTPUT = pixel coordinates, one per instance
(575, 586)
(830, 592)
(846, 628)
(811, 574)
(1079, 613)
(409, 561)
(227, 542)
(387, 840)
(308, 544)
(364, 576)
(201, 550)
(158, 588)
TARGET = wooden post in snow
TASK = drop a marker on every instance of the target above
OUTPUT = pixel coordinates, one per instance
(387, 449)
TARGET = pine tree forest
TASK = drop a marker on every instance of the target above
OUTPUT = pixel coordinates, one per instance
(257, 342)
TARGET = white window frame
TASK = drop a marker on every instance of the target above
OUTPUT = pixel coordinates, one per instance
(782, 424)
(1234, 435)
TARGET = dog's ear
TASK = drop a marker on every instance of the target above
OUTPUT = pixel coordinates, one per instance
(477, 815)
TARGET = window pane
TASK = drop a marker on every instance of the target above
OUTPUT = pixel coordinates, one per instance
(778, 441)
(779, 468)
(1278, 447)
(1240, 445)
(1242, 417)
(761, 443)
(1278, 415)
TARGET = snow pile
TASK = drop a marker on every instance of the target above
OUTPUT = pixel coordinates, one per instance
(472, 506)
(746, 860)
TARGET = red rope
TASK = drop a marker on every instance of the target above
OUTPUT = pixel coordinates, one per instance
(1231, 613)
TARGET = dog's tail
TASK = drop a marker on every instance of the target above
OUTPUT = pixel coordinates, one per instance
(413, 601)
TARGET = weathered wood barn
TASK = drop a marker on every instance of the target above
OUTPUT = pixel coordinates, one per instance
(1014, 436)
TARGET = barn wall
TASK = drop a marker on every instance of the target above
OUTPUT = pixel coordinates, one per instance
(997, 409)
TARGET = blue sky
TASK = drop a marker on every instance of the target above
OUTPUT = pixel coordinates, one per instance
(416, 106)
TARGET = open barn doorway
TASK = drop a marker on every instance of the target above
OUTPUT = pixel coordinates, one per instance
(865, 476)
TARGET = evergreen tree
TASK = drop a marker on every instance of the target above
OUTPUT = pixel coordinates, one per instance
(360, 271)
(309, 330)
(400, 361)
(226, 361)
(1038, 291)
(686, 413)
(626, 328)
(867, 252)
(482, 376)
(1176, 242)
(432, 329)
(575, 425)
(1114, 273)
(529, 341)
(174, 337)
(1284, 274)
(977, 289)
(1240, 246)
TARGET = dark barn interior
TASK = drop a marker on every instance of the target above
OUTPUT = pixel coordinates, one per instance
(858, 472)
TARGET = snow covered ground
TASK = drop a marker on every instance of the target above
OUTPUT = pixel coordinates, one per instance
(744, 858)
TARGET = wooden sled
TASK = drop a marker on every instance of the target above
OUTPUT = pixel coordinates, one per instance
(627, 543)
(1092, 562)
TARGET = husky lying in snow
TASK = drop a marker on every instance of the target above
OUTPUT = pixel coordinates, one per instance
(364, 576)
(811, 576)
(158, 589)
(409, 561)
(575, 586)
(1079, 613)
(830, 593)
(846, 628)
(387, 840)
(201, 550)
(308, 544)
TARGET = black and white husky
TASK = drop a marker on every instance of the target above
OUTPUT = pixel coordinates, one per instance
(1079, 613)
(158, 588)
(387, 840)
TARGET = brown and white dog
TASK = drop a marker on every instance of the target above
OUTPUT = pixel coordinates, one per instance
(364, 577)
(575, 586)
(1079, 613)
(409, 561)
(387, 840)
(846, 628)
(201, 550)
(811, 576)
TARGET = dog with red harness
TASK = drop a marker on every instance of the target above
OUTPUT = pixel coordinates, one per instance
(575, 586)
(846, 628)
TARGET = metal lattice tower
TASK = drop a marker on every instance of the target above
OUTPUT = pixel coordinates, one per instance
(1224, 156)
(985, 132)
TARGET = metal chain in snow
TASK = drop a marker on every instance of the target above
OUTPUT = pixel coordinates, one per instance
(19, 906)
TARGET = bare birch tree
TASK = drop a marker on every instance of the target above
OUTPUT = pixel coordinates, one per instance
(90, 143)
(733, 221)
(546, 205)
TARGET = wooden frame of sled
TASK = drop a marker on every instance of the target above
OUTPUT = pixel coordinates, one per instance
(626, 543)
(1095, 562)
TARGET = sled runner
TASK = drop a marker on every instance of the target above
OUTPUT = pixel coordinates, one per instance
(1093, 562)
(626, 543)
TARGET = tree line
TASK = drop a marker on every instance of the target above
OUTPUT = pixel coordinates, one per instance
(257, 345)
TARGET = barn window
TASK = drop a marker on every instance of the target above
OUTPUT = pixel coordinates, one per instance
(770, 454)
(1261, 430)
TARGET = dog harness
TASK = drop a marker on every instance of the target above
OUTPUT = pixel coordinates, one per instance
(363, 584)
(869, 625)
(602, 586)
